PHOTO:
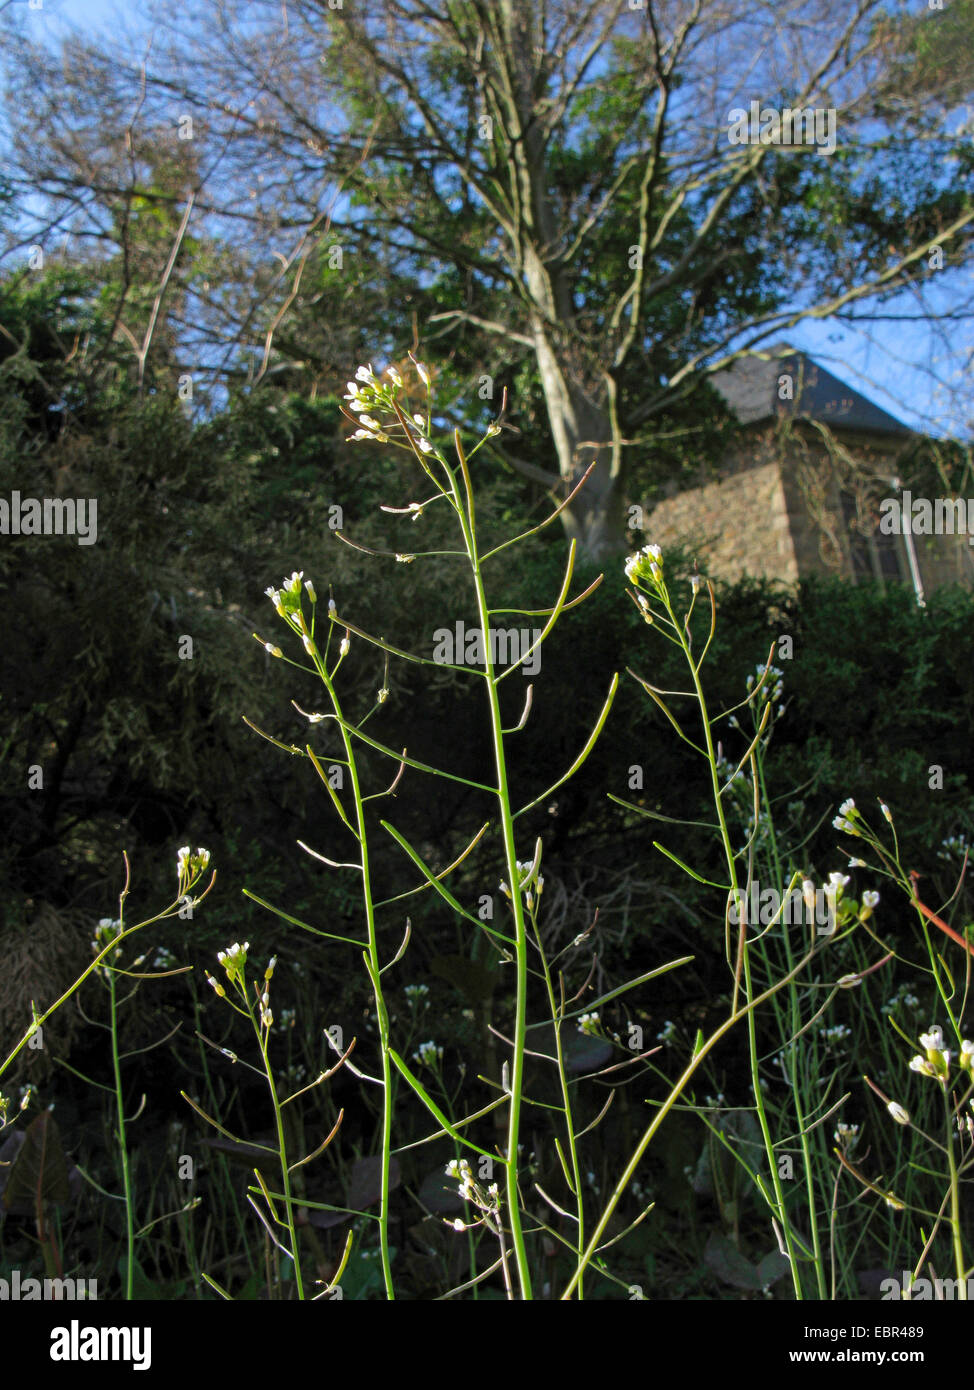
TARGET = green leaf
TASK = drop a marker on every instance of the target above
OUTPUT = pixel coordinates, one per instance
(724, 887)
(726, 1261)
(39, 1173)
(143, 1288)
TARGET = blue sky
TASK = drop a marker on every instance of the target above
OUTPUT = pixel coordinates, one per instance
(76, 13)
(910, 369)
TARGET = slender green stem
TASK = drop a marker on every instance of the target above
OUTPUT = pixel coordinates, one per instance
(122, 1144)
(955, 1226)
(263, 1036)
(556, 1017)
(648, 1135)
(381, 1011)
(795, 1013)
(779, 1207)
(521, 946)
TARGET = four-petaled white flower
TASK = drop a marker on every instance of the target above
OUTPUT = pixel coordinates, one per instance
(921, 1065)
(189, 864)
(650, 559)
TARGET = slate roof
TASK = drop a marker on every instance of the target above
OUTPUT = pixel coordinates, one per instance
(750, 388)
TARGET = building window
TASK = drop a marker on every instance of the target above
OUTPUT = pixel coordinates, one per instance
(874, 556)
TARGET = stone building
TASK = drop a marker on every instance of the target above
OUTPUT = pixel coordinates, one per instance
(813, 487)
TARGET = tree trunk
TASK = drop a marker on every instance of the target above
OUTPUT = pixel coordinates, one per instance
(581, 431)
(573, 384)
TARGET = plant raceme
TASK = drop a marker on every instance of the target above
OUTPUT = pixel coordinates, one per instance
(796, 944)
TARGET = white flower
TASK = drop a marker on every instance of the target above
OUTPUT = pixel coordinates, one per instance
(937, 1056)
(901, 1116)
(857, 863)
(808, 896)
(588, 1023)
(369, 423)
(419, 420)
(422, 371)
(365, 374)
(343, 648)
(870, 898)
(921, 1065)
(233, 960)
(394, 376)
(885, 810)
(459, 1225)
(232, 952)
(847, 806)
(651, 558)
(428, 1054)
(838, 881)
(311, 591)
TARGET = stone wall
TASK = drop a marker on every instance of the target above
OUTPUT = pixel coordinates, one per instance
(734, 527)
(775, 511)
